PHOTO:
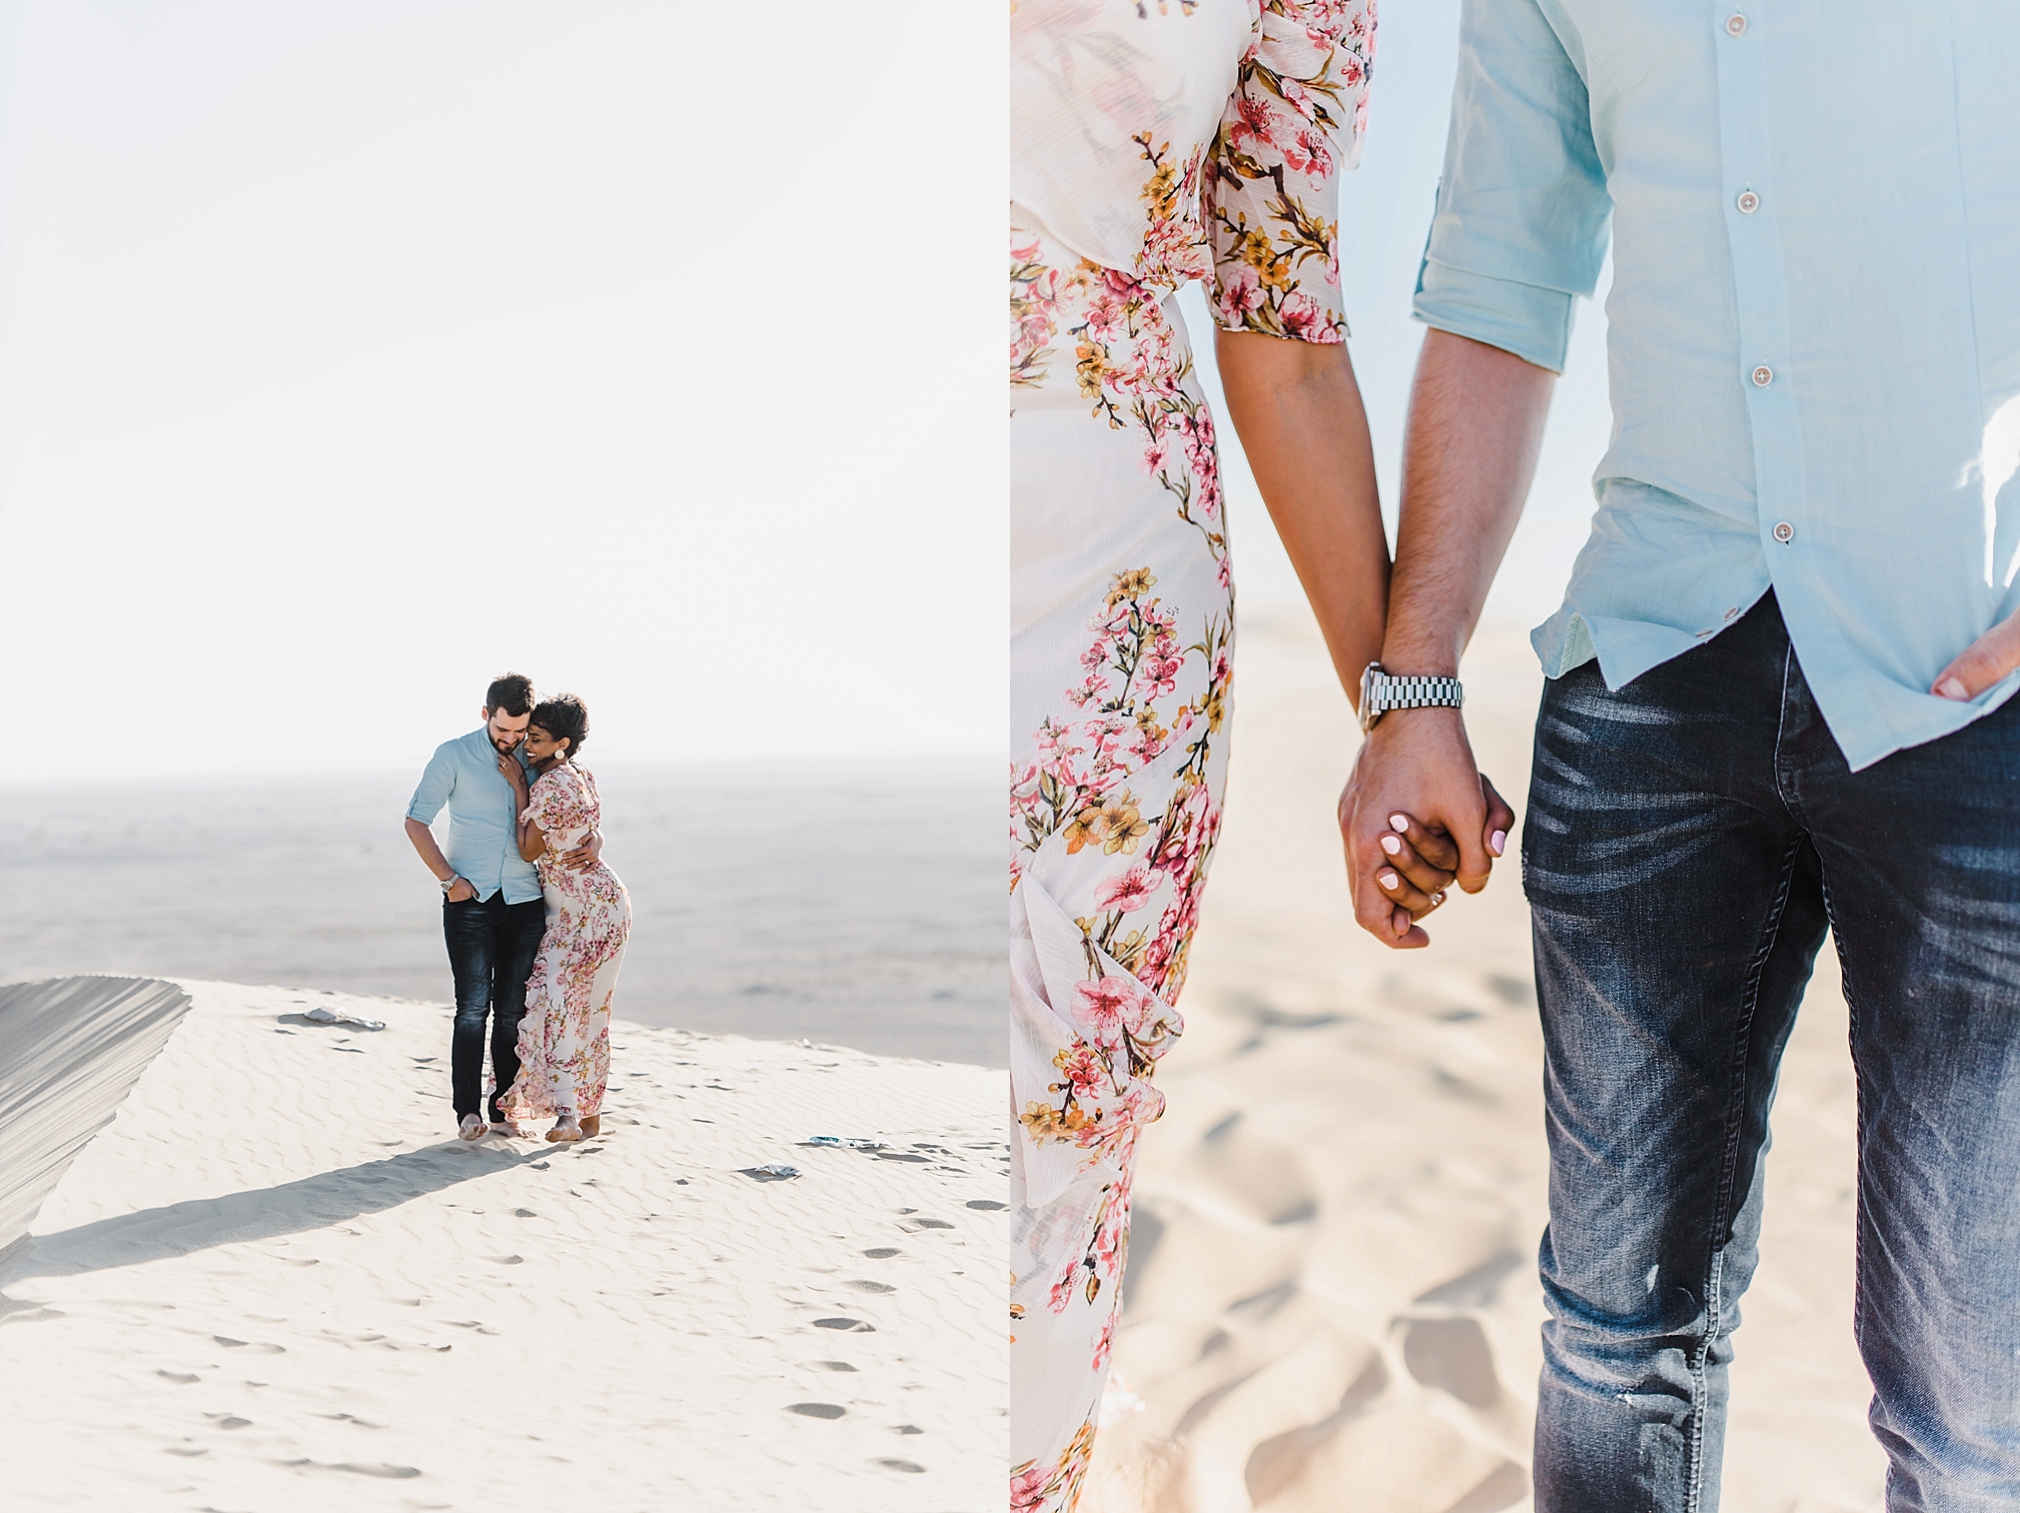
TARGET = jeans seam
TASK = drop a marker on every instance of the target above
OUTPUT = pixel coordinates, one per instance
(1729, 1165)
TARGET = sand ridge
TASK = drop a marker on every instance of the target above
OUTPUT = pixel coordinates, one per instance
(276, 1282)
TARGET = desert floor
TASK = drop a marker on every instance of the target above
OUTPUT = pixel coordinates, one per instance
(275, 1282)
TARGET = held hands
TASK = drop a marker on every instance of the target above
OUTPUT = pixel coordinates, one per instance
(1981, 664)
(1415, 817)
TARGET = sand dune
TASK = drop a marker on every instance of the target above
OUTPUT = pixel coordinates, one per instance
(72, 1051)
(1332, 1300)
(273, 1282)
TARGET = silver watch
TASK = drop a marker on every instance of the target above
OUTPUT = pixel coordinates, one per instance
(1382, 691)
(449, 883)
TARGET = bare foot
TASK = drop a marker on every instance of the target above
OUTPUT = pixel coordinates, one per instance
(472, 1128)
(592, 1124)
(565, 1129)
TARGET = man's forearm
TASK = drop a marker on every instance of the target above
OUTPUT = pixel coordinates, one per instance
(1476, 425)
(424, 843)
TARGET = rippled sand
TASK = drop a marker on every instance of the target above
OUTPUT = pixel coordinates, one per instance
(275, 1280)
(1332, 1300)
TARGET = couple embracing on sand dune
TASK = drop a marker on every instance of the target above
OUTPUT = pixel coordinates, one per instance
(535, 922)
(1777, 696)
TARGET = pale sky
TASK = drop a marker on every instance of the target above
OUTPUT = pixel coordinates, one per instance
(350, 354)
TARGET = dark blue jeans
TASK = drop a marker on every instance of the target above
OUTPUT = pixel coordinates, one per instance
(491, 949)
(1688, 841)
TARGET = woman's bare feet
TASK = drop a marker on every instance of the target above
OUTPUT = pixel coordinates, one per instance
(592, 1124)
(565, 1129)
(472, 1128)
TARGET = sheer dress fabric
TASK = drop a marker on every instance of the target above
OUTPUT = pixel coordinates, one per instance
(564, 1038)
(1151, 145)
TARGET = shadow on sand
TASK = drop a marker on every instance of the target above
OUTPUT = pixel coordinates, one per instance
(262, 1213)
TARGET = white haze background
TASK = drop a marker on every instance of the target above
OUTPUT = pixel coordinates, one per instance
(350, 354)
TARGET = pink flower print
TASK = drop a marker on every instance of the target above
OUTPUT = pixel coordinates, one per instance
(1082, 1068)
(1104, 1344)
(1156, 454)
(1303, 316)
(1023, 246)
(1241, 294)
(1129, 892)
(1310, 155)
(1103, 1006)
(1027, 1489)
(1256, 123)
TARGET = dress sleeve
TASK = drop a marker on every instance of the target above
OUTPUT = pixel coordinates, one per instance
(1292, 126)
(555, 804)
(1523, 212)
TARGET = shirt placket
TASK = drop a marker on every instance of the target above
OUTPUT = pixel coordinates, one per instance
(1765, 374)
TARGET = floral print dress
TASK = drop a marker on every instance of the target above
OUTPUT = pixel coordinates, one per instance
(1153, 142)
(564, 1040)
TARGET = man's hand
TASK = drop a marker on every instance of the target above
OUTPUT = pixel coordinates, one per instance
(463, 891)
(1981, 664)
(584, 855)
(1417, 765)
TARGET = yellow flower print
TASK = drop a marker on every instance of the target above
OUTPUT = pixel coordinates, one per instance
(1133, 584)
(1044, 1122)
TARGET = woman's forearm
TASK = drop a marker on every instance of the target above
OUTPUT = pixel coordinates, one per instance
(1297, 409)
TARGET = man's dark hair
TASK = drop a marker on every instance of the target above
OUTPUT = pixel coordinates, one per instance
(511, 694)
(564, 717)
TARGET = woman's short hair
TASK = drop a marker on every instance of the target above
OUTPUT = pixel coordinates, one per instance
(564, 717)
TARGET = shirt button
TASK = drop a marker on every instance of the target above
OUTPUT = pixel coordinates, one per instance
(1749, 202)
(1735, 24)
(1784, 532)
(1763, 376)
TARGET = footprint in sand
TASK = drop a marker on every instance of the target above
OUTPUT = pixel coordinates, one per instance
(852, 1326)
(817, 1410)
(184, 1377)
(986, 1203)
(834, 1365)
(862, 1286)
(932, 1224)
(881, 1253)
(911, 1466)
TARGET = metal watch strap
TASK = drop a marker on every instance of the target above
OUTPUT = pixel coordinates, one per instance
(1421, 693)
(1382, 691)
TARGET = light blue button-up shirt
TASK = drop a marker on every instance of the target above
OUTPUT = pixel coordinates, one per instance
(483, 817)
(1814, 342)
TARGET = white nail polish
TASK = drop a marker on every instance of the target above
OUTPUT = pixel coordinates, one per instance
(1499, 841)
(1391, 845)
(1399, 822)
(1387, 879)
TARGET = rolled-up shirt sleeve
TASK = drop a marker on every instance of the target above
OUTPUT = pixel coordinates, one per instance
(1521, 221)
(438, 783)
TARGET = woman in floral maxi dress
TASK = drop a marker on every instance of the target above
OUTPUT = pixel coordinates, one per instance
(564, 1040)
(1154, 142)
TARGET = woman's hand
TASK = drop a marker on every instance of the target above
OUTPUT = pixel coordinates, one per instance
(1981, 664)
(510, 770)
(1422, 863)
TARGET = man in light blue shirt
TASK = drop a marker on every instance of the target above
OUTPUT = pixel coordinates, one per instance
(1779, 685)
(493, 913)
